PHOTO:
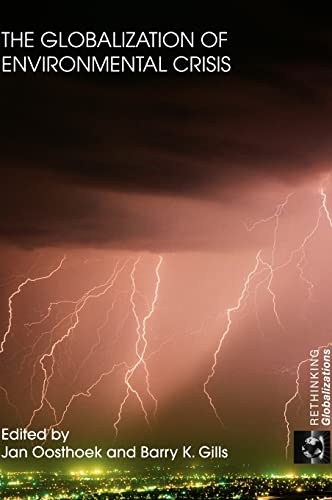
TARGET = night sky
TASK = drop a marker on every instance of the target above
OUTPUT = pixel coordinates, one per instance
(115, 172)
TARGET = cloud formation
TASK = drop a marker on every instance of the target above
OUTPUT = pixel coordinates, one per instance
(155, 163)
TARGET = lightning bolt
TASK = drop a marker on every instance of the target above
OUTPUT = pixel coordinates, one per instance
(93, 293)
(17, 292)
(291, 399)
(87, 394)
(269, 279)
(130, 389)
(324, 205)
(21, 276)
(141, 339)
(323, 209)
(145, 320)
(272, 269)
(280, 209)
(300, 266)
(98, 341)
(226, 331)
(62, 321)
(265, 265)
(48, 314)
(277, 214)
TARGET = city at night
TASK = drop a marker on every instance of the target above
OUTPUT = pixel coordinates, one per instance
(163, 483)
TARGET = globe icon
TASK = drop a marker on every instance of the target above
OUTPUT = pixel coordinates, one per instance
(312, 447)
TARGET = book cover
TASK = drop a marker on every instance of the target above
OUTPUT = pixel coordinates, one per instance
(165, 256)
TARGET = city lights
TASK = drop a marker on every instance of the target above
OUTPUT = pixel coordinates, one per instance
(193, 482)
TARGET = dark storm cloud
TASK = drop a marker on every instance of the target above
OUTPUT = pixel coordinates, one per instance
(168, 137)
(65, 142)
(40, 211)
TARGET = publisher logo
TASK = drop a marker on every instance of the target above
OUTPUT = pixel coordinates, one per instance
(311, 447)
